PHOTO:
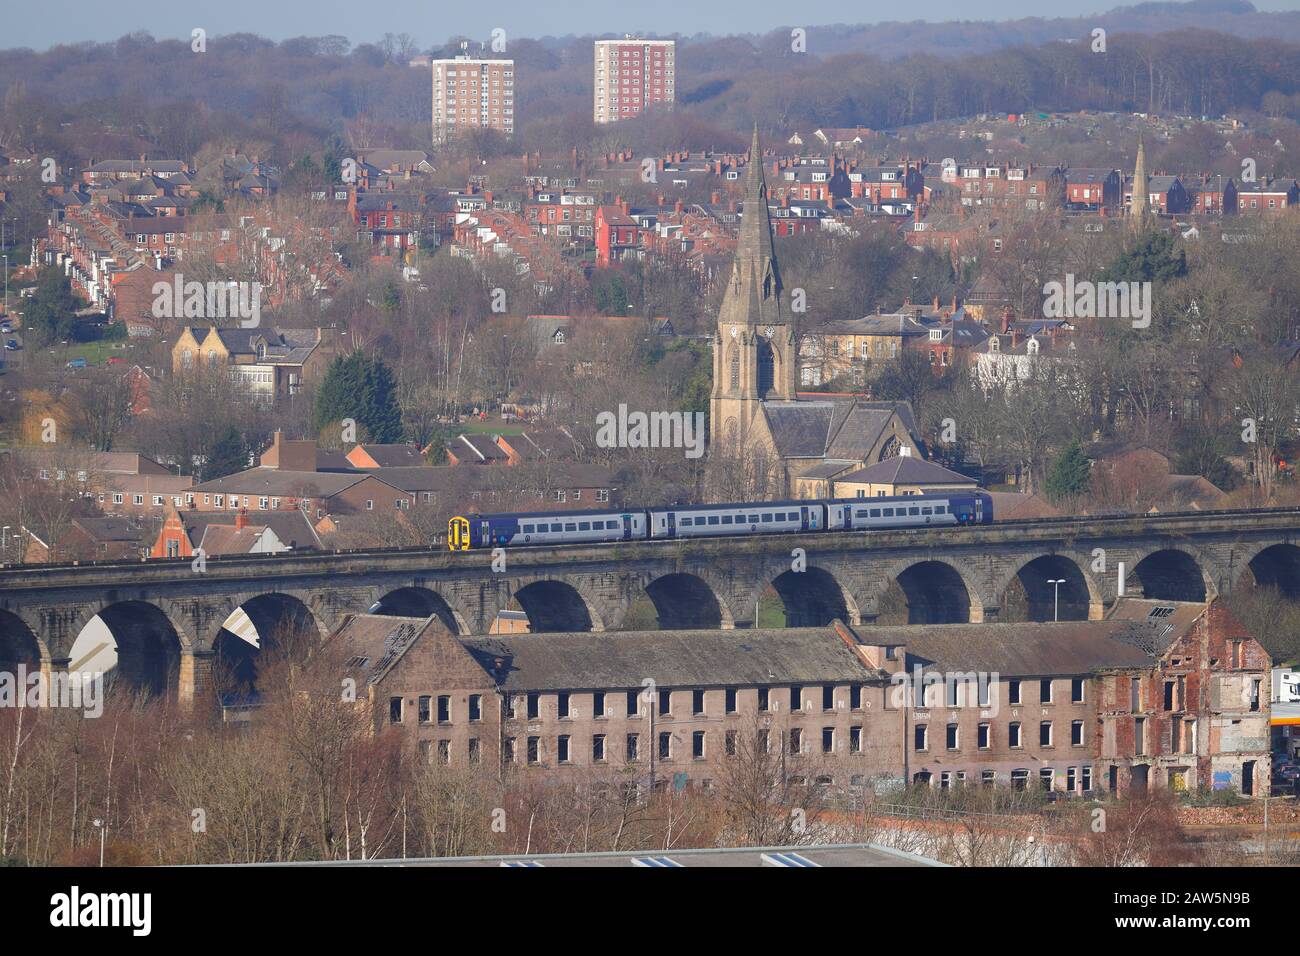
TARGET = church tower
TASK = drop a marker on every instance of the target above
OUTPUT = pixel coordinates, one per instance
(1139, 211)
(755, 355)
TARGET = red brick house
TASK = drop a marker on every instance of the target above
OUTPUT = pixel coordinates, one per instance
(617, 235)
(1216, 196)
(1093, 188)
(1268, 195)
(184, 532)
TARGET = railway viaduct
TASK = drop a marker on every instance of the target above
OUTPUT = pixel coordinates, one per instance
(166, 616)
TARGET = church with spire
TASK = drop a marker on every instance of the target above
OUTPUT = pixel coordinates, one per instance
(755, 408)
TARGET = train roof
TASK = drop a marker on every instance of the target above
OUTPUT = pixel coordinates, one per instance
(739, 505)
(932, 496)
(557, 513)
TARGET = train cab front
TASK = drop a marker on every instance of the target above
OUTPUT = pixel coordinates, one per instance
(458, 534)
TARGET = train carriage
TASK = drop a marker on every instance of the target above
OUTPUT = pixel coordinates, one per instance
(910, 511)
(709, 521)
(543, 527)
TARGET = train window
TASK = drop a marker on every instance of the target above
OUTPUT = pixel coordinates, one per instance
(941, 509)
(726, 519)
(570, 526)
(685, 522)
(713, 519)
(926, 510)
(861, 513)
(528, 529)
(914, 510)
(767, 517)
(584, 525)
(875, 512)
(793, 516)
(889, 512)
(557, 527)
(753, 519)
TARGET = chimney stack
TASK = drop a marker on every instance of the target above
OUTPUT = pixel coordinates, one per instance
(241, 518)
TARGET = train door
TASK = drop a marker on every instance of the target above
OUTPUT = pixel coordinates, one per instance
(848, 517)
(672, 524)
(803, 517)
(627, 527)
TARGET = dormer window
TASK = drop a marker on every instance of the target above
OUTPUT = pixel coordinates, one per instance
(936, 335)
(994, 344)
(1031, 347)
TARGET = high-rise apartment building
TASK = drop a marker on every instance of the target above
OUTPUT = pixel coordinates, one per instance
(470, 92)
(632, 76)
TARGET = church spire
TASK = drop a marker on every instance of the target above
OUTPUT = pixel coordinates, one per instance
(753, 295)
(1139, 208)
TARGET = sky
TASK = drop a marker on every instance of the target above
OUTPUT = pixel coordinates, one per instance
(43, 23)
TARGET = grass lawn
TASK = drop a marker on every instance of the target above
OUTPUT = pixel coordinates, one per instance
(483, 428)
(95, 353)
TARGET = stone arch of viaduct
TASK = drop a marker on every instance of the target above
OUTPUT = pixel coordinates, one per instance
(687, 586)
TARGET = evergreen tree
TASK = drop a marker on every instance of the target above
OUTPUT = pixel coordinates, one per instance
(1070, 473)
(51, 315)
(380, 412)
(436, 453)
(229, 454)
(1152, 259)
(362, 389)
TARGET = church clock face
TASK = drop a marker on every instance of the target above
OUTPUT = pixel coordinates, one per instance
(769, 331)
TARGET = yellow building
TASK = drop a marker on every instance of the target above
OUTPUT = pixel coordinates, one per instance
(267, 363)
(904, 475)
(850, 347)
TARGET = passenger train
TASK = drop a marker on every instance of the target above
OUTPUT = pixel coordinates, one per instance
(529, 528)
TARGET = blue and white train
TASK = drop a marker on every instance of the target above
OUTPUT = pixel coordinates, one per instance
(527, 528)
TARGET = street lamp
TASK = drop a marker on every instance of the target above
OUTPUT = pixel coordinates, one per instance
(99, 825)
(1056, 599)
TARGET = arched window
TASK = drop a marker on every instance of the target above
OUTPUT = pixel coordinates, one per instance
(766, 367)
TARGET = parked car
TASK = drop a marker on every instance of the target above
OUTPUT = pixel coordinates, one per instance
(116, 360)
(1286, 772)
(77, 363)
(11, 345)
